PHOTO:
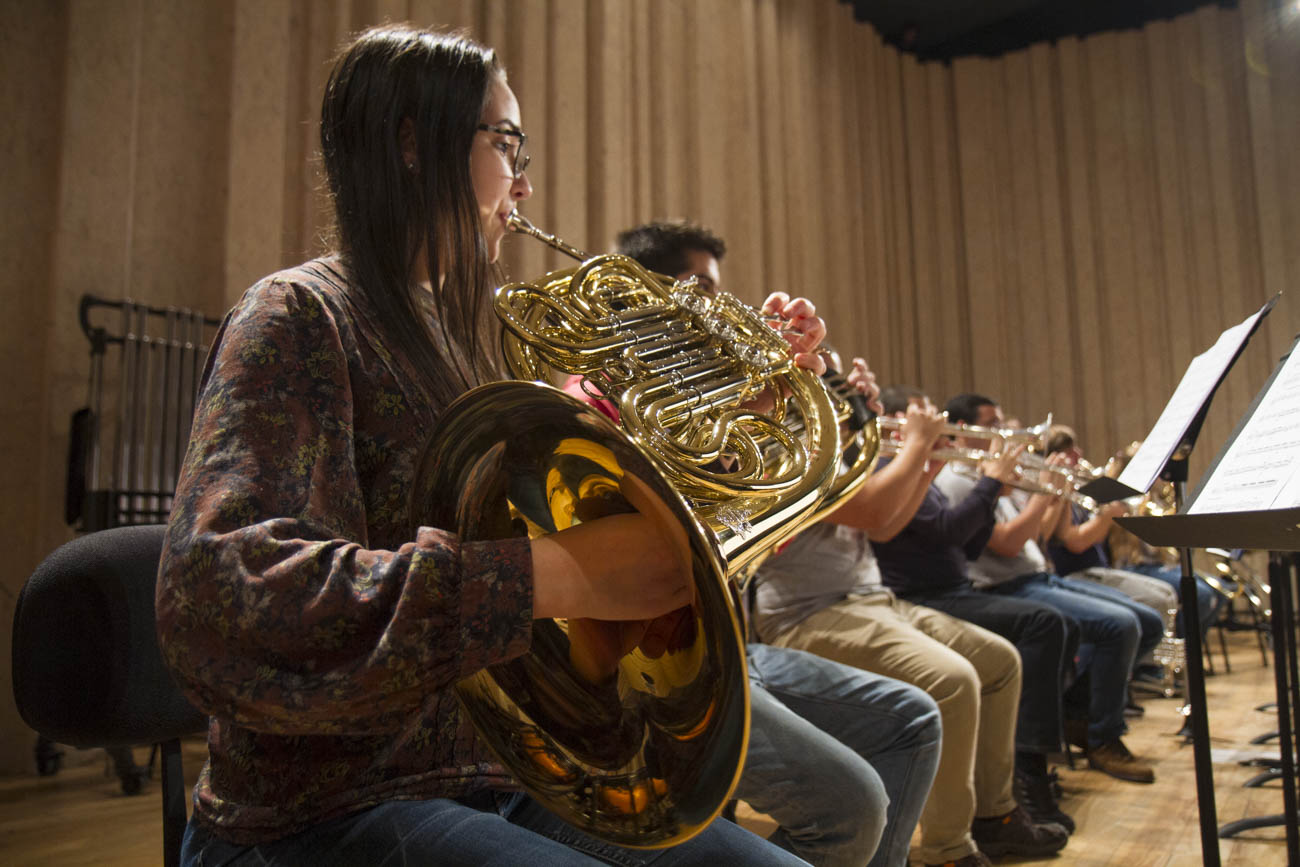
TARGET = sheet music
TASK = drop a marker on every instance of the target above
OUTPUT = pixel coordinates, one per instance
(1261, 469)
(1201, 378)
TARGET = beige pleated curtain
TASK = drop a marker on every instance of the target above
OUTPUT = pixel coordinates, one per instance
(1062, 228)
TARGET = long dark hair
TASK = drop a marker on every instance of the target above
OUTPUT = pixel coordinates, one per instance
(435, 85)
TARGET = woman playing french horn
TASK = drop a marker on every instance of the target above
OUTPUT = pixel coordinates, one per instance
(299, 602)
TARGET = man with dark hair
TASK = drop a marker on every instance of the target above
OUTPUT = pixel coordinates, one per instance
(1114, 629)
(923, 559)
(966, 407)
(896, 398)
(675, 248)
(976, 673)
(839, 757)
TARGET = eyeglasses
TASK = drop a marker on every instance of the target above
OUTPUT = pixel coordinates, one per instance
(520, 159)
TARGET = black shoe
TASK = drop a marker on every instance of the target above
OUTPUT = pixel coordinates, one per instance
(976, 859)
(1035, 794)
(1055, 779)
(1017, 834)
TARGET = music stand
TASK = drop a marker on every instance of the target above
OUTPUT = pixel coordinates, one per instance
(1271, 529)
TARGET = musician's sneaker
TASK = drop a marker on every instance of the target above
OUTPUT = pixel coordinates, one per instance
(975, 859)
(1017, 834)
(1114, 758)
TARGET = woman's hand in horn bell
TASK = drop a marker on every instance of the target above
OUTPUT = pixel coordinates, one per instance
(633, 566)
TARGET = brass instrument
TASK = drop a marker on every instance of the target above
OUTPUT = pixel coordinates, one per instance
(646, 753)
(860, 446)
(1029, 465)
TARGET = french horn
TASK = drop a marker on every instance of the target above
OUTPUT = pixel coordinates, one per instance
(643, 752)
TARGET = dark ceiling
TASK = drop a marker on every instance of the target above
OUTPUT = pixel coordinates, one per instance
(943, 29)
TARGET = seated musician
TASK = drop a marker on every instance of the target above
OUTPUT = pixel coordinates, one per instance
(1010, 567)
(922, 555)
(300, 604)
(838, 757)
(822, 593)
(1076, 539)
(1131, 554)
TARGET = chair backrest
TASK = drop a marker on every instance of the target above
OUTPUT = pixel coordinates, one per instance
(87, 670)
(86, 666)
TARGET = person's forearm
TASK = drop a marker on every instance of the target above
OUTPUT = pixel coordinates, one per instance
(1080, 537)
(1010, 536)
(904, 515)
(885, 493)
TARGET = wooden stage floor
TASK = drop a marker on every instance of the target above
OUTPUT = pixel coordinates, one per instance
(80, 817)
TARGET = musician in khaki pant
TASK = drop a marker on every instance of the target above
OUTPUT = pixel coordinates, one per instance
(822, 594)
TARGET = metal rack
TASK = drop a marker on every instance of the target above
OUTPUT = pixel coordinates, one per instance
(127, 444)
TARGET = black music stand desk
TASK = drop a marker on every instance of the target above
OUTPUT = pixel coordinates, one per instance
(1273, 530)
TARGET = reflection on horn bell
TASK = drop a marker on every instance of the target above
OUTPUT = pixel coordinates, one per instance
(632, 732)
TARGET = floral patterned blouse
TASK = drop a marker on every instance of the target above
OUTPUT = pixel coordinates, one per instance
(293, 605)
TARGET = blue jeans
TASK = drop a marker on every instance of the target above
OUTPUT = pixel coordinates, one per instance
(1208, 602)
(1112, 632)
(838, 756)
(1151, 626)
(492, 829)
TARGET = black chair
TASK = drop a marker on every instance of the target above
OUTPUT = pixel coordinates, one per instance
(87, 670)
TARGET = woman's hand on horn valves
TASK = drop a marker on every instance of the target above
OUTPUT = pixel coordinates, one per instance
(802, 328)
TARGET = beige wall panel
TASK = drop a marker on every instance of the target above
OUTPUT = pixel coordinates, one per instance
(774, 184)
(447, 14)
(96, 209)
(32, 52)
(896, 252)
(524, 52)
(1258, 32)
(1169, 173)
(1149, 288)
(800, 142)
(612, 148)
(1147, 329)
(853, 316)
(566, 150)
(944, 332)
(837, 178)
(1054, 287)
(671, 147)
(178, 226)
(976, 82)
(1224, 309)
(1093, 424)
(647, 127)
(732, 160)
(918, 281)
(259, 106)
(391, 11)
(326, 26)
(879, 208)
(1024, 333)
(1112, 224)
(1245, 291)
(1201, 293)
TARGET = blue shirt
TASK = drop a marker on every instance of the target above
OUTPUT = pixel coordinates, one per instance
(929, 555)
